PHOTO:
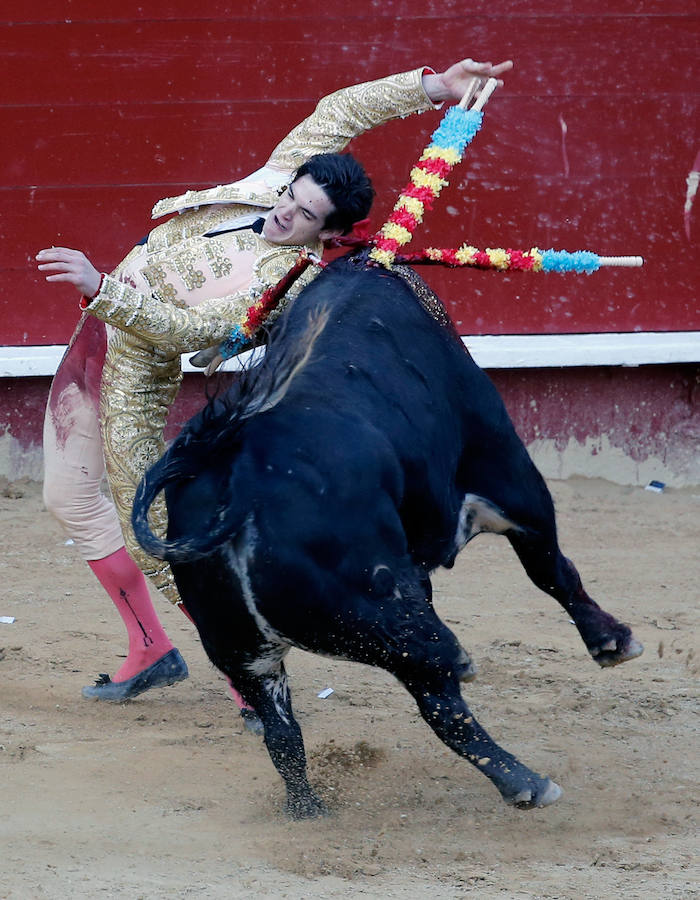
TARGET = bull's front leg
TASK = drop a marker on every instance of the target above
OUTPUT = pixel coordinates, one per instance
(270, 697)
(608, 641)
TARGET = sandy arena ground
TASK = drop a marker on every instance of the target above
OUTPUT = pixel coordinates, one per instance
(167, 796)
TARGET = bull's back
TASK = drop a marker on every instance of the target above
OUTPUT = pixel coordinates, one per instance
(384, 357)
(386, 378)
(387, 402)
(385, 360)
(380, 356)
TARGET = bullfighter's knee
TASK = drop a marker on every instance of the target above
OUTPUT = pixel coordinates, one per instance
(89, 518)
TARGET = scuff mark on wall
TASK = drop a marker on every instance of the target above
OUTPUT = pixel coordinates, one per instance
(599, 457)
(19, 461)
(692, 182)
(564, 154)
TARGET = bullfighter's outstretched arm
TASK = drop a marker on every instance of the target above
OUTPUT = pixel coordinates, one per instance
(348, 113)
(172, 328)
(177, 329)
(351, 111)
(337, 119)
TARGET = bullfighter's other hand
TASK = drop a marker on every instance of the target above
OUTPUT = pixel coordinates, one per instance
(213, 365)
(209, 360)
(452, 84)
(71, 266)
(202, 358)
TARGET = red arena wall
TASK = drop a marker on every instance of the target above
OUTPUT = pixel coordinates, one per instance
(592, 144)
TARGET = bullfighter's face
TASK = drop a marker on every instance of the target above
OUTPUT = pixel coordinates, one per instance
(299, 216)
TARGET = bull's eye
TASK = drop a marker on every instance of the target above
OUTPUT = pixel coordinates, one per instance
(383, 581)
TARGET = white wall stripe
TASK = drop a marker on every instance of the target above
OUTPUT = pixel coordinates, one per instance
(507, 351)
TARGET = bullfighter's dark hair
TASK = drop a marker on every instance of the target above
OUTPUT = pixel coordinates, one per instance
(347, 184)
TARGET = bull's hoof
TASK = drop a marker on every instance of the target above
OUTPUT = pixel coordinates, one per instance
(467, 670)
(616, 651)
(535, 797)
(468, 673)
(308, 806)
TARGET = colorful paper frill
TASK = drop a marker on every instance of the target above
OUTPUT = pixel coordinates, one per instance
(428, 177)
(533, 260)
(241, 335)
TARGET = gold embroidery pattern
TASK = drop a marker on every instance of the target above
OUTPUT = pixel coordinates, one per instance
(187, 264)
(184, 262)
(223, 193)
(215, 253)
(191, 223)
(138, 389)
(172, 329)
(155, 275)
(304, 279)
(275, 264)
(193, 252)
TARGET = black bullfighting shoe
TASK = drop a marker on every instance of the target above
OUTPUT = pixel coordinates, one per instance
(166, 670)
(252, 721)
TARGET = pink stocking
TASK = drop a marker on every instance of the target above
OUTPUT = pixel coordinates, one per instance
(126, 585)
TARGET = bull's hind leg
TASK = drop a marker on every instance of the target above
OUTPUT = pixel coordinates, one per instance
(401, 632)
(269, 695)
(448, 715)
(427, 658)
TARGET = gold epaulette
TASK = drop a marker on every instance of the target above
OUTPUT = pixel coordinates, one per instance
(246, 194)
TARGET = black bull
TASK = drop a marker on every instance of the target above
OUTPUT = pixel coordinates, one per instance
(308, 506)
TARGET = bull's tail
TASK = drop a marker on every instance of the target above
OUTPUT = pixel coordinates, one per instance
(260, 389)
(223, 526)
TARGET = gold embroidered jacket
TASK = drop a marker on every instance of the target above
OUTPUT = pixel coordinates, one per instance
(183, 291)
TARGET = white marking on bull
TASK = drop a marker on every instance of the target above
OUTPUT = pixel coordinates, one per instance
(382, 573)
(239, 554)
(289, 369)
(478, 515)
(278, 689)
